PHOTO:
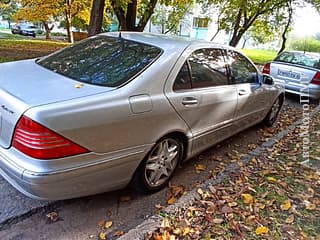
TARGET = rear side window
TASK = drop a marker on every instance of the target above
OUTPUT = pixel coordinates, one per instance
(241, 69)
(302, 59)
(102, 60)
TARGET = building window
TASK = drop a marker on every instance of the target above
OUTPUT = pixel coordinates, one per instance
(200, 22)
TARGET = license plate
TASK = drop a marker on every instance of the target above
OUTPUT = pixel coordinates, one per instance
(289, 74)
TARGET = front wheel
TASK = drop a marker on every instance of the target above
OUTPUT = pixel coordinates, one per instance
(159, 165)
(273, 113)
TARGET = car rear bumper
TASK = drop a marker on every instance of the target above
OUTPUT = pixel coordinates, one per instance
(106, 174)
(309, 90)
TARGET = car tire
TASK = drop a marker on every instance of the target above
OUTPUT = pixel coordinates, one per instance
(157, 168)
(272, 115)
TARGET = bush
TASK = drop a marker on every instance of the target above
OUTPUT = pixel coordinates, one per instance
(306, 44)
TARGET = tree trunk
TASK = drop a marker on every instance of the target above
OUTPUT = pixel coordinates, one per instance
(68, 21)
(236, 38)
(127, 20)
(131, 15)
(96, 17)
(214, 36)
(284, 33)
(47, 29)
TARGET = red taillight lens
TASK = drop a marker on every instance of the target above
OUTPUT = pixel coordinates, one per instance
(316, 79)
(266, 69)
(39, 142)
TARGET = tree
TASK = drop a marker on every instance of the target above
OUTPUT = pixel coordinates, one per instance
(169, 14)
(39, 10)
(287, 26)
(46, 10)
(7, 10)
(237, 16)
(128, 12)
(96, 17)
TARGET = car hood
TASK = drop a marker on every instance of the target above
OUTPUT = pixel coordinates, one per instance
(25, 84)
(36, 85)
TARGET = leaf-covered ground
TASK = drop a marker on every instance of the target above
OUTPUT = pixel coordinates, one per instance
(16, 47)
(274, 196)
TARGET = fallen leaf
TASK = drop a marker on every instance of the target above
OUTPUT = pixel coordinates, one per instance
(101, 223)
(165, 223)
(286, 205)
(262, 230)
(200, 168)
(232, 204)
(247, 198)
(290, 219)
(103, 236)
(125, 198)
(226, 209)
(310, 206)
(118, 233)
(217, 220)
(171, 200)
(78, 85)
(108, 224)
(200, 191)
(271, 179)
(53, 216)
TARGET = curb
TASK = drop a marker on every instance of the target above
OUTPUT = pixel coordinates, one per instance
(154, 222)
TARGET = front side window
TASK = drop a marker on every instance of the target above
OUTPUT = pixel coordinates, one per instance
(102, 60)
(241, 69)
(208, 68)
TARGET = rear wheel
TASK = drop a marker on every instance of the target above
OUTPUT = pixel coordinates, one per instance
(159, 165)
(273, 113)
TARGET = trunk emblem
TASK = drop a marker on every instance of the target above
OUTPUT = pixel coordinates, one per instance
(7, 109)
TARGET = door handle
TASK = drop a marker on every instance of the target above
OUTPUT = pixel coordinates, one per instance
(189, 101)
(243, 92)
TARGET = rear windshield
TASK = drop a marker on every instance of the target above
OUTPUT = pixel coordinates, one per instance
(102, 60)
(302, 59)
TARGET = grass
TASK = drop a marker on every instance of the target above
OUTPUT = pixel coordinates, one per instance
(8, 40)
(260, 56)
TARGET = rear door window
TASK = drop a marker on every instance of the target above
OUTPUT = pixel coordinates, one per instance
(102, 60)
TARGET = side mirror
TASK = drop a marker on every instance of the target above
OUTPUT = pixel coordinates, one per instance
(266, 79)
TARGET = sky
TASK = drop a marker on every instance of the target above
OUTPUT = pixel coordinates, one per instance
(306, 22)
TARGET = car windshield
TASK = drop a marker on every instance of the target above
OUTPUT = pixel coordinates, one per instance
(302, 59)
(104, 61)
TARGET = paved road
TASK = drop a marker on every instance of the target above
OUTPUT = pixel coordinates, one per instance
(24, 218)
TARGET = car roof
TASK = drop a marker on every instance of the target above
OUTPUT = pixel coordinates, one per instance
(166, 42)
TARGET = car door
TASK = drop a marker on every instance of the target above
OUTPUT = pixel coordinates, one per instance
(252, 96)
(199, 92)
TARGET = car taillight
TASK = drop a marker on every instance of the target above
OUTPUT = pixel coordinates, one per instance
(316, 79)
(39, 142)
(266, 69)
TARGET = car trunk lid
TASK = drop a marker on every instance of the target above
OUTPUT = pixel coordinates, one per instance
(25, 84)
(290, 74)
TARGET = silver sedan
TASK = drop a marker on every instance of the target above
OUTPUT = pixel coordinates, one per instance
(123, 107)
(298, 72)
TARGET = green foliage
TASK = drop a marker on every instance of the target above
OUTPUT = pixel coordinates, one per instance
(7, 10)
(306, 44)
(169, 15)
(237, 16)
